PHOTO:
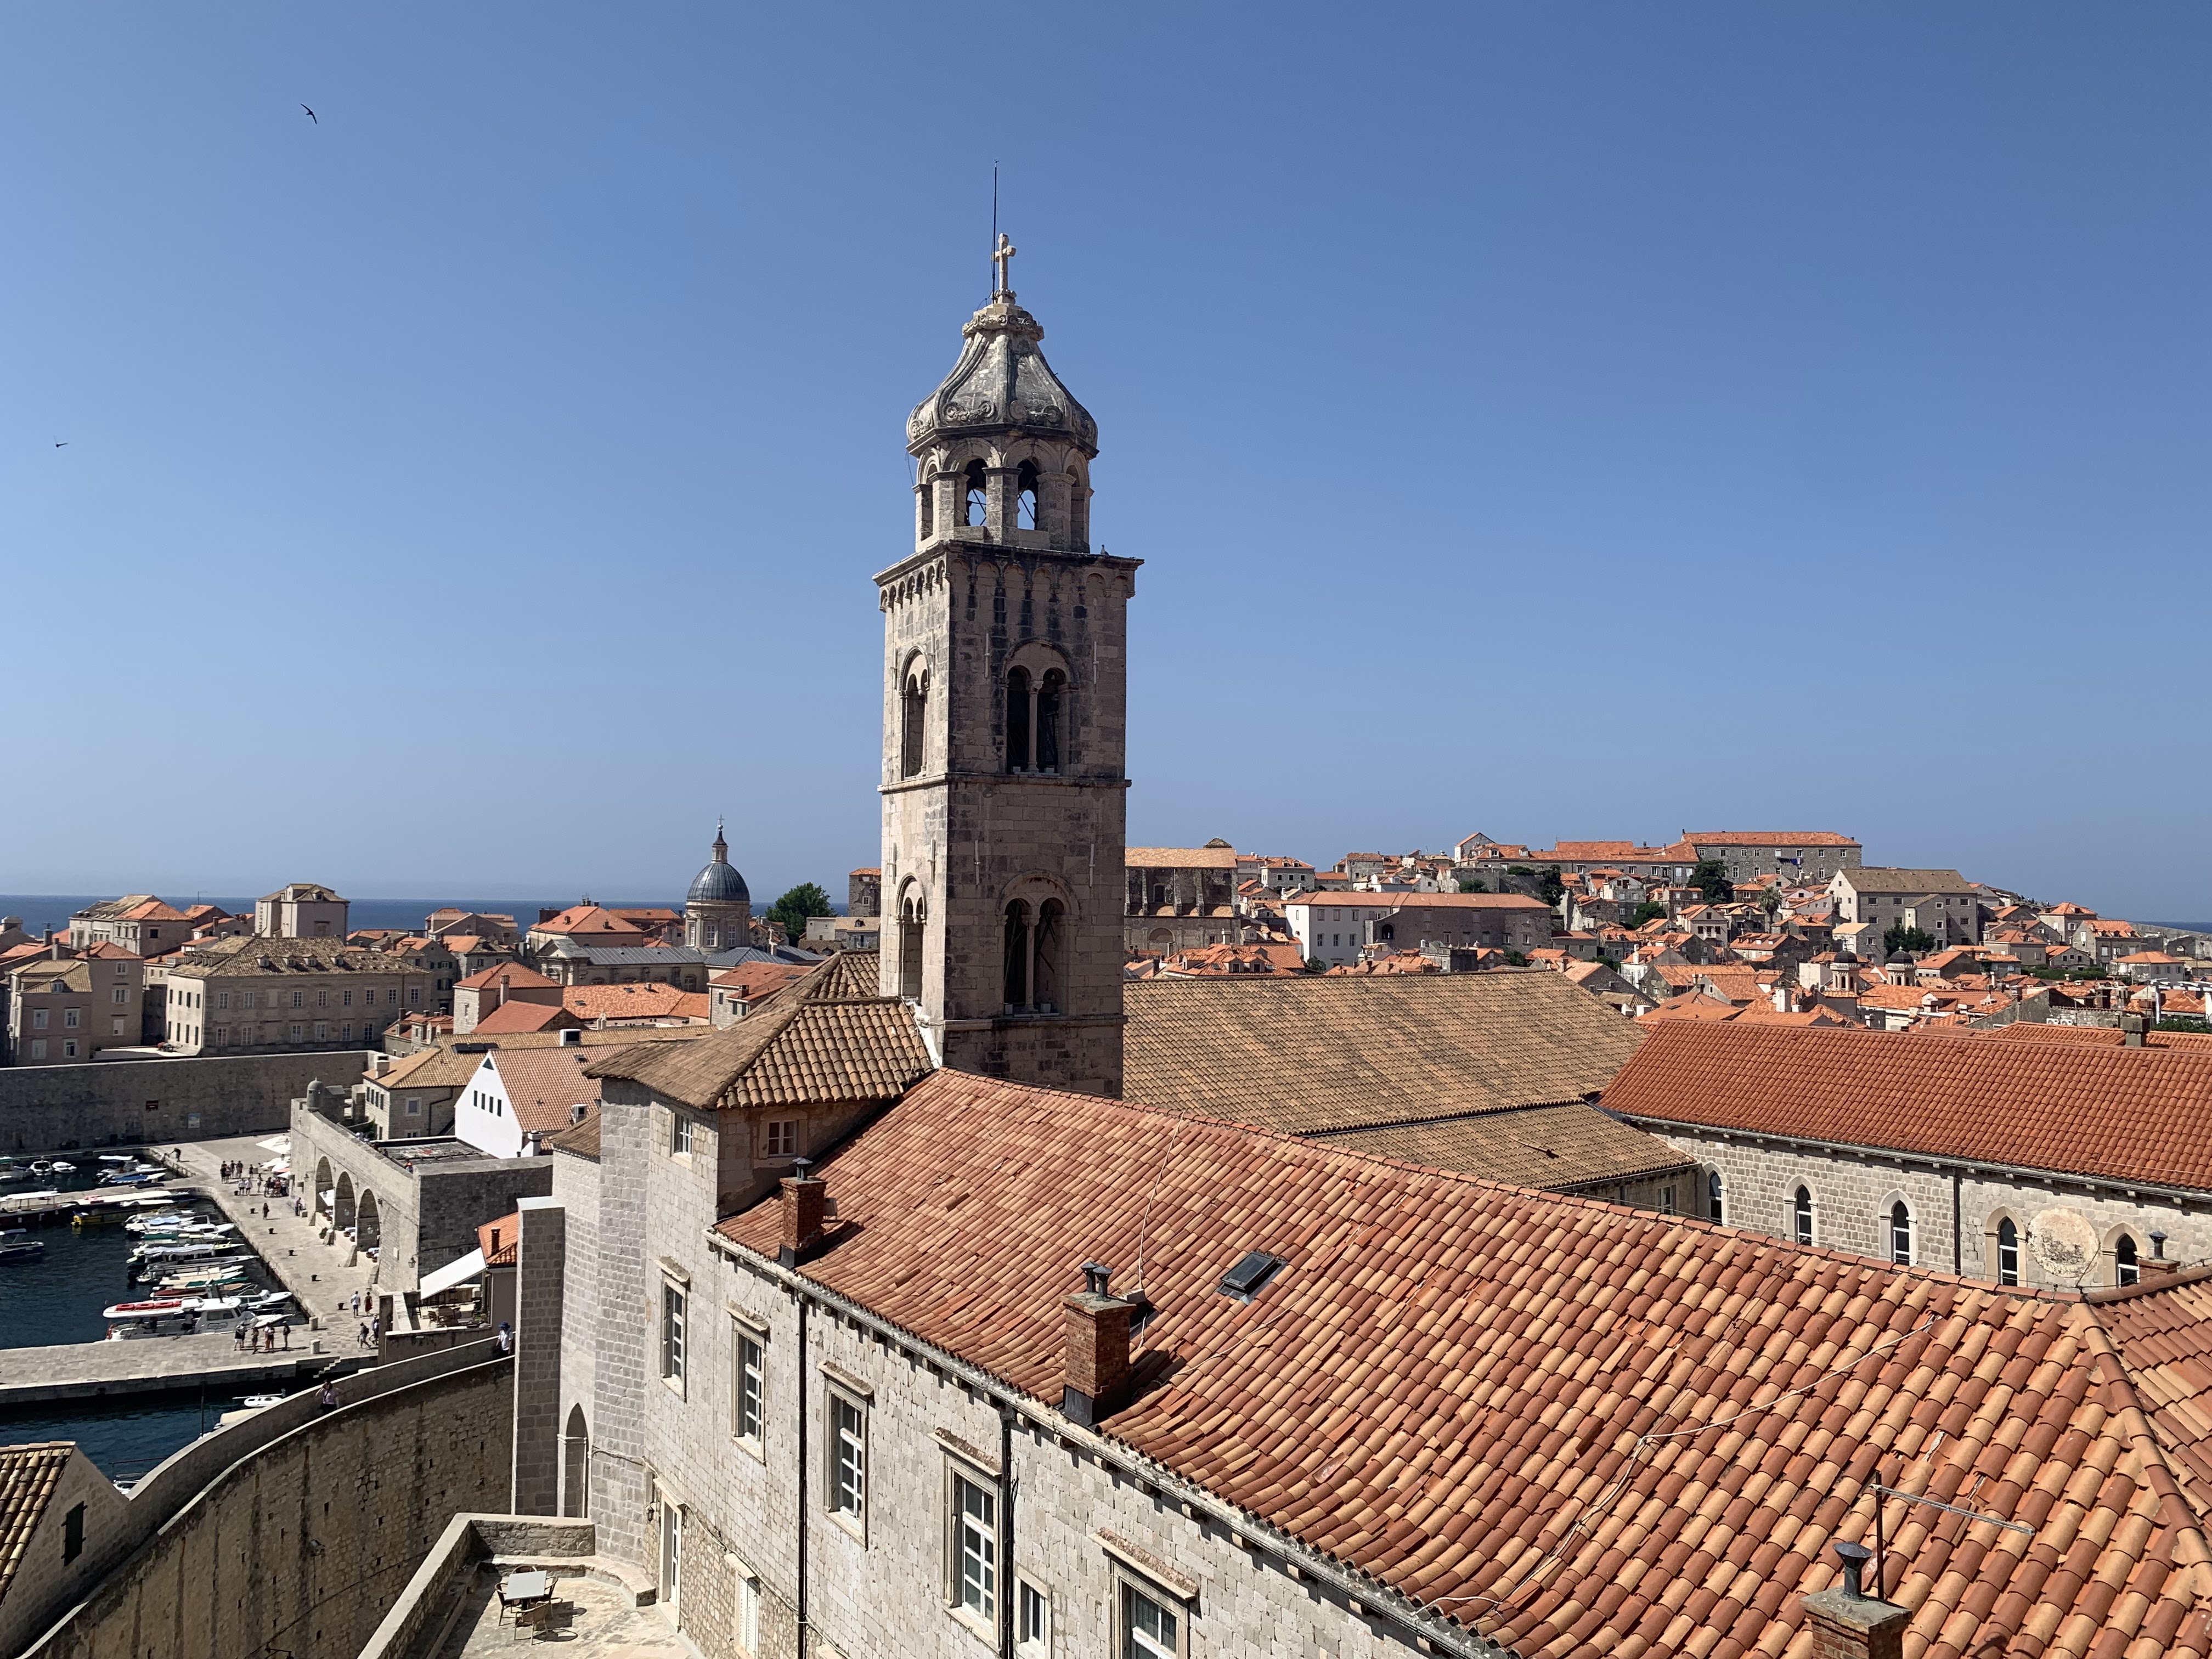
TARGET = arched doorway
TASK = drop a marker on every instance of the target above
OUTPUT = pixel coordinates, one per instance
(575, 1466)
(322, 1186)
(369, 1231)
(342, 1214)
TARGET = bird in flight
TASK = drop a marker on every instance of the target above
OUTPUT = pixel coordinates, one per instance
(61, 443)
(311, 116)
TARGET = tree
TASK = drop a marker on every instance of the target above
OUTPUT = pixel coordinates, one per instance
(1551, 886)
(1515, 959)
(1712, 878)
(1315, 965)
(795, 906)
(1467, 885)
(1911, 941)
(1649, 910)
(2184, 1022)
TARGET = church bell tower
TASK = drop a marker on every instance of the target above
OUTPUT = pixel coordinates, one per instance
(1004, 715)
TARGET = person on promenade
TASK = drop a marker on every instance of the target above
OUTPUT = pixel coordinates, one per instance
(328, 1399)
(506, 1338)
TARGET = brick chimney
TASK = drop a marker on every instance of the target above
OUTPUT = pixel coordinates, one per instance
(2131, 1030)
(1849, 1623)
(806, 1203)
(1097, 1341)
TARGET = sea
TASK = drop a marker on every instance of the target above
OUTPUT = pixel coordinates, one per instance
(60, 1299)
(40, 911)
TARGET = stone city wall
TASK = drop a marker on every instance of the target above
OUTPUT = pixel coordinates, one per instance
(301, 1525)
(125, 1103)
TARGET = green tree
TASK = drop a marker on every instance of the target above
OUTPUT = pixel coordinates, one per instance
(1315, 965)
(1467, 885)
(1712, 878)
(1649, 910)
(1913, 941)
(2184, 1022)
(795, 906)
(1515, 959)
(1551, 886)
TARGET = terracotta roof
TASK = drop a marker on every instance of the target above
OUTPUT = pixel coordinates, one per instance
(510, 975)
(588, 921)
(1180, 858)
(795, 1050)
(29, 1475)
(1402, 899)
(1883, 879)
(2096, 1037)
(1318, 1052)
(2126, 1114)
(2163, 1336)
(1766, 838)
(1559, 1147)
(544, 1086)
(250, 956)
(1575, 1428)
(500, 1240)
(436, 1067)
(638, 1001)
(524, 1016)
(581, 1138)
(848, 977)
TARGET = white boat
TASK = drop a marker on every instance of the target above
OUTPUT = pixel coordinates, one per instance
(60, 1168)
(267, 1300)
(118, 1157)
(180, 1250)
(261, 1402)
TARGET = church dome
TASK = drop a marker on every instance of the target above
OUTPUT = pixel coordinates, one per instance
(720, 882)
(1001, 383)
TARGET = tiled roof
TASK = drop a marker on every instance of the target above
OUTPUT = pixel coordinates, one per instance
(1883, 879)
(587, 921)
(794, 1051)
(2164, 1339)
(250, 957)
(582, 1138)
(29, 1475)
(512, 976)
(545, 1084)
(637, 1001)
(1403, 899)
(1690, 1005)
(1180, 858)
(2097, 1036)
(1559, 1147)
(434, 1067)
(1314, 1052)
(2127, 1114)
(1577, 1429)
(523, 1017)
(1766, 838)
(500, 1240)
(848, 977)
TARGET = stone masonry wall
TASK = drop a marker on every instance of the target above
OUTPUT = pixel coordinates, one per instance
(2069, 1230)
(301, 1546)
(129, 1101)
(576, 1189)
(620, 1334)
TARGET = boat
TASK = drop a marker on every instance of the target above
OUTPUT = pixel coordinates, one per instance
(158, 1308)
(29, 1250)
(232, 1286)
(118, 1157)
(267, 1300)
(60, 1168)
(84, 1218)
(180, 1250)
(41, 1166)
(262, 1401)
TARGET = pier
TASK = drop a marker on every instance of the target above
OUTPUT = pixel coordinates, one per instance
(153, 1364)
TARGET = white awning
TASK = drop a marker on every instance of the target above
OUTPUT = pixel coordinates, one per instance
(470, 1265)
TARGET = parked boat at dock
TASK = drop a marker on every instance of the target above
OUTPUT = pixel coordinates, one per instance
(27, 1250)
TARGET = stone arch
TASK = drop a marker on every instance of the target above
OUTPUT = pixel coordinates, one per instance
(575, 1464)
(2003, 1255)
(1714, 1194)
(914, 714)
(2125, 1250)
(1894, 1237)
(369, 1221)
(912, 912)
(1803, 1223)
(322, 1183)
(343, 1216)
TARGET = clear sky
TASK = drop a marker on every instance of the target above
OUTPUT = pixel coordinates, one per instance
(1580, 419)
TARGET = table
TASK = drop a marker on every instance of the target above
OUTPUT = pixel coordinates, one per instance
(524, 1589)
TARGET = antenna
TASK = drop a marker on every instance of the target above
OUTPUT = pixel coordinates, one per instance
(994, 204)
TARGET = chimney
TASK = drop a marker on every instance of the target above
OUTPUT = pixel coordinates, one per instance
(2131, 1030)
(805, 1207)
(2158, 1263)
(1849, 1623)
(1098, 1336)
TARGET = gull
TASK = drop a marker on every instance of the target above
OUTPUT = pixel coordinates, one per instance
(311, 116)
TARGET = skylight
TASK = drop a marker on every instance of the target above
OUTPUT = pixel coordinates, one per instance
(1250, 1275)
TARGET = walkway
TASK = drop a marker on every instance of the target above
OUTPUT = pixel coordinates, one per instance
(591, 1620)
(315, 1272)
(145, 1364)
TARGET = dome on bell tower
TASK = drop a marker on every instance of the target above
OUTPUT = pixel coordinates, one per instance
(1001, 384)
(720, 882)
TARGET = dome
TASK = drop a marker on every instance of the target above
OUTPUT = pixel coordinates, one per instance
(1001, 383)
(720, 882)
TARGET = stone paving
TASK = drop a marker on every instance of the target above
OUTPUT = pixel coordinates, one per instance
(315, 1272)
(591, 1621)
(76, 1370)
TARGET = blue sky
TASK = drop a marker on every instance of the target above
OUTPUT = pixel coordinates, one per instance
(1583, 420)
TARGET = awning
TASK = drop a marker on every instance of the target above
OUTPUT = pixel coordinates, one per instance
(470, 1265)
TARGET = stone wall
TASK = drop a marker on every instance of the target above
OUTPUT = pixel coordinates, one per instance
(2069, 1228)
(307, 1524)
(129, 1101)
(576, 1189)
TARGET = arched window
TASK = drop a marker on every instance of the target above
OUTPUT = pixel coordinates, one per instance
(1079, 510)
(1018, 961)
(2126, 1270)
(1900, 1233)
(914, 703)
(1025, 499)
(1804, 1215)
(1713, 1194)
(911, 925)
(1017, 720)
(978, 508)
(2008, 1252)
(1045, 951)
(925, 498)
(1046, 723)
(1159, 896)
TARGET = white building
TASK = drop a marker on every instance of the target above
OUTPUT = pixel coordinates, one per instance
(516, 1098)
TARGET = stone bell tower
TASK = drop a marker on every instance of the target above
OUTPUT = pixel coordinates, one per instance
(1005, 700)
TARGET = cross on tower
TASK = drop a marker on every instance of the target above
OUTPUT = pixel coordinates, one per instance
(1001, 257)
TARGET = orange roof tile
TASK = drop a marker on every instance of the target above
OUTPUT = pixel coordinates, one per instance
(640, 1001)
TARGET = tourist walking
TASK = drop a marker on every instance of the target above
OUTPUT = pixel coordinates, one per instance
(328, 1399)
(506, 1338)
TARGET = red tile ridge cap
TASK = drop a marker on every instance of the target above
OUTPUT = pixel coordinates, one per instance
(2190, 1550)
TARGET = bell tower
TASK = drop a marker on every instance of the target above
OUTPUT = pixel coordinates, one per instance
(1005, 714)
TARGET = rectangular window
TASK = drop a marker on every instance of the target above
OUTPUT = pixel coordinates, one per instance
(369, 997)
(222, 1034)
(1151, 1629)
(38, 1048)
(783, 1137)
(414, 1107)
(748, 1384)
(69, 1018)
(679, 1134)
(37, 1019)
(122, 993)
(69, 1049)
(116, 1026)
(73, 1533)
(747, 1621)
(345, 999)
(345, 1032)
(299, 1032)
(322, 998)
(975, 1548)
(849, 1457)
(672, 1333)
(1033, 1623)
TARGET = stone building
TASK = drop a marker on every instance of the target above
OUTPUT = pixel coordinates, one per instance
(2035, 1155)
(1942, 903)
(262, 994)
(300, 909)
(480, 994)
(138, 922)
(864, 892)
(1800, 854)
(64, 1012)
(1004, 692)
(1179, 898)
(1333, 927)
(718, 911)
(413, 1096)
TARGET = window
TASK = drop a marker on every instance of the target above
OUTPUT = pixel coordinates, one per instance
(1713, 1194)
(298, 1033)
(747, 1383)
(849, 1455)
(672, 1334)
(2008, 1252)
(1018, 710)
(38, 1048)
(1667, 1200)
(1025, 497)
(222, 999)
(122, 993)
(69, 1018)
(222, 1034)
(299, 998)
(1804, 1215)
(2126, 1270)
(322, 998)
(1032, 1622)
(322, 1031)
(414, 1106)
(976, 510)
(37, 1019)
(73, 1533)
(747, 1615)
(1900, 1233)
(345, 999)
(914, 703)
(69, 1049)
(975, 1549)
(345, 1031)
(1150, 1629)
(783, 1137)
(679, 1134)
(115, 1026)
